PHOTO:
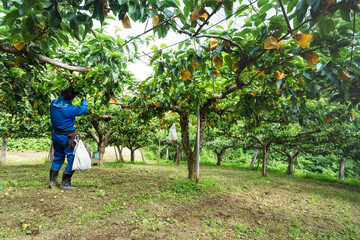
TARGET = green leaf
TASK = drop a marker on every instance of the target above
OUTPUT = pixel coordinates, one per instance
(261, 3)
(228, 7)
(30, 25)
(301, 9)
(315, 4)
(74, 26)
(160, 68)
(291, 6)
(28, 4)
(11, 17)
(70, 16)
(168, 3)
(98, 11)
(345, 15)
(266, 8)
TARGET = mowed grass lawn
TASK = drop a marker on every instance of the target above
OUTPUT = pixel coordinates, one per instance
(148, 201)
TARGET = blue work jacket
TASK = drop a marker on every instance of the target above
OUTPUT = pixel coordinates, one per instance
(63, 113)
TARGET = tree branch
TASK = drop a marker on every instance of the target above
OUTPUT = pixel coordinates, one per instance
(207, 20)
(91, 132)
(107, 136)
(7, 48)
(258, 139)
(162, 23)
(97, 128)
(222, 38)
(286, 18)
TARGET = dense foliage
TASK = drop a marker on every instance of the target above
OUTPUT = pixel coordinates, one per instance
(279, 76)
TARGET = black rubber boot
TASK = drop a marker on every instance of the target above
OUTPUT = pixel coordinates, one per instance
(66, 181)
(53, 176)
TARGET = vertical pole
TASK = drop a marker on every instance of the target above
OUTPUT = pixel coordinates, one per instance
(159, 153)
(198, 145)
(167, 153)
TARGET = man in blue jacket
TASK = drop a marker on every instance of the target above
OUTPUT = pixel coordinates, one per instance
(62, 114)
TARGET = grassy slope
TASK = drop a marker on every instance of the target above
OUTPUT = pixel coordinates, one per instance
(157, 202)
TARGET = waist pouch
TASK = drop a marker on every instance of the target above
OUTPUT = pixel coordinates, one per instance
(72, 139)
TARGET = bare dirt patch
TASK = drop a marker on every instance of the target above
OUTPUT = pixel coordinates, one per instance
(16, 158)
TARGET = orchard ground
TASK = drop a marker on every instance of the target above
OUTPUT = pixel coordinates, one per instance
(16, 157)
(150, 201)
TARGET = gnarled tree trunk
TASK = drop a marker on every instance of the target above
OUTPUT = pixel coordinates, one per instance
(291, 159)
(101, 140)
(220, 155)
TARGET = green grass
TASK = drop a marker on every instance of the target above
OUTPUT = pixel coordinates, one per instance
(150, 201)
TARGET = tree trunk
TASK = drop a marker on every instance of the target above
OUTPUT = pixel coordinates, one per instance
(120, 149)
(178, 153)
(185, 136)
(4, 150)
(265, 160)
(342, 169)
(142, 154)
(167, 154)
(101, 149)
(101, 140)
(291, 159)
(220, 155)
(159, 153)
(51, 152)
(132, 155)
(175, 156)
(116, 155)
(88, 149)
(254, 159)
(290, 168)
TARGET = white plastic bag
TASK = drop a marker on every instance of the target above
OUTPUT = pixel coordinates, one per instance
(82, 160)
(172, 134)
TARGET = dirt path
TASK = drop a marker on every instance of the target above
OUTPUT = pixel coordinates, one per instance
(15, 158)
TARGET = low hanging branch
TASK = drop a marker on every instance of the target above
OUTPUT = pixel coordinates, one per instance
(7, 48)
